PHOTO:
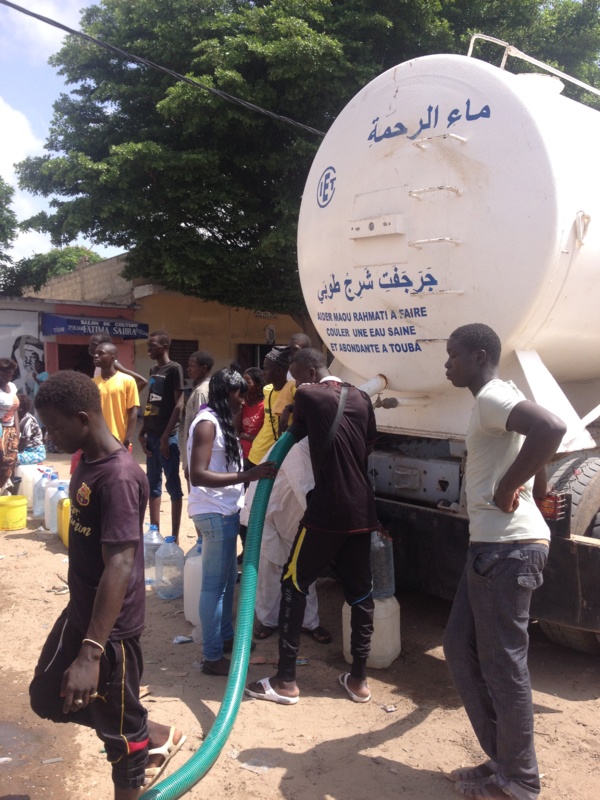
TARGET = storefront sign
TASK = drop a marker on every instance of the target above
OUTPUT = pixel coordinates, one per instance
(55, 325)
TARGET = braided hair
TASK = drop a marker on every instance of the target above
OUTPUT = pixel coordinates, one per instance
(220, 387)
(259, 379)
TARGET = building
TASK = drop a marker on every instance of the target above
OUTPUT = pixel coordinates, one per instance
(230, 334)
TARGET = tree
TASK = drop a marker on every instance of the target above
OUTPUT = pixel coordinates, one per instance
(34, 272)
(8, 225)
(204, 194)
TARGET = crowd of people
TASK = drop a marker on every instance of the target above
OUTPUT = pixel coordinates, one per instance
(320, 515)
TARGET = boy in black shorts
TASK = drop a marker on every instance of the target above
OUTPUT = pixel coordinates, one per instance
(90, 667)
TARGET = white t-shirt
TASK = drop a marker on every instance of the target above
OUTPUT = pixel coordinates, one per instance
(491, 449)
(206, 500)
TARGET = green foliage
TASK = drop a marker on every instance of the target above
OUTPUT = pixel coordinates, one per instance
(204, 194)
(8, 224)
(34, 272)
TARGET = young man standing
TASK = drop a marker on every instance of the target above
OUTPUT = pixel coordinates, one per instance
(118, 395)
(336, 525)
(104, 338)
(275, 367)
(90, 667)
(199, 368)
(509, 442)
(158, 436)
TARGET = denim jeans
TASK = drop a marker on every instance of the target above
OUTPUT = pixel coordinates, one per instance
(157, 464)
(485, 644)
(219, 575)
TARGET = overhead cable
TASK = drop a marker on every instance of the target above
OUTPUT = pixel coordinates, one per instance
(152, 65)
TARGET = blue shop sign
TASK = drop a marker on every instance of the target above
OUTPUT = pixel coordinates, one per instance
(55, 325)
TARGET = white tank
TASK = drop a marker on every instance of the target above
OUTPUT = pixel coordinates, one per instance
(449, 191)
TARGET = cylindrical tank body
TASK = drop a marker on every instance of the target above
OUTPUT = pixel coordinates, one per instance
(449, 191)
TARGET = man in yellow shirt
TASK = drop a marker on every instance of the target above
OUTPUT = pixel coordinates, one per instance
(275, 369)
(118, 394)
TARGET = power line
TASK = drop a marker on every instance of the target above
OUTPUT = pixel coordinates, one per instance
(147, 63)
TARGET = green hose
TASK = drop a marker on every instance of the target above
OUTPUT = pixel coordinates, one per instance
(198, 765)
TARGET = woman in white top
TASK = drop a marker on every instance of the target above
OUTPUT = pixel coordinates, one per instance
(214, 503)
(9, 422)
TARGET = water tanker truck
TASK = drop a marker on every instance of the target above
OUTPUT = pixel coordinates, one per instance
(450, 191)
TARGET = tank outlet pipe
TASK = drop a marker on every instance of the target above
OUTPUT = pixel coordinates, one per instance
(374, 385)
(198, 765)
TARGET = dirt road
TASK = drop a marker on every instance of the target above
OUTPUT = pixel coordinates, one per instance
(325, 748)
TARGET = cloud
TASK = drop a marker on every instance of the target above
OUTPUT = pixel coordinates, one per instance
(30, 39)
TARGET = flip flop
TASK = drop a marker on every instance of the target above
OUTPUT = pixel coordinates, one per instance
(168, 750)
(270, 694)
(319, 634)
(264, 631)
(356, 698)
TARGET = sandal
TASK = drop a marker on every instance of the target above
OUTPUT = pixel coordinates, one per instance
(168, 750)
(319, 634)
(264, 631)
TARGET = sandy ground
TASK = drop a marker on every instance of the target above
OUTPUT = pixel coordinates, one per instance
(324, 748)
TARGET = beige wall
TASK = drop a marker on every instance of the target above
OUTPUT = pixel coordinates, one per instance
(98, 283)
(218, 329)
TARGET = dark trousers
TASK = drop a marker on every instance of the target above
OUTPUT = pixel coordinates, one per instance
(485, 644)
(116, 715)
(311, 553)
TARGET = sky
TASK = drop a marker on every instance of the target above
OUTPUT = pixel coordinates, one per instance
(28, 88)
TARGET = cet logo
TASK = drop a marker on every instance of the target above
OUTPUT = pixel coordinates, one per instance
(83, 495)
(326, 188)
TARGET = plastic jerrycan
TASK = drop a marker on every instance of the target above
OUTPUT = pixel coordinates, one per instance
(385, 643)
(64, 520)
(61, 493)
(51, 489)
(169, 570)
(152, 541)
(29, 475)
(192, 584)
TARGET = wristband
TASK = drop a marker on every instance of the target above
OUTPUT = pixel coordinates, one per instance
(96, 644)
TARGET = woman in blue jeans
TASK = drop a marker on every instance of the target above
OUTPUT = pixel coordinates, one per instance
(215, 499)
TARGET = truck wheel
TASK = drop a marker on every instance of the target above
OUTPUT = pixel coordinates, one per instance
(575, 638)
(579, 475)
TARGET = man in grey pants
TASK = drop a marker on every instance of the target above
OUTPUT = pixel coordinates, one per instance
(509, 442)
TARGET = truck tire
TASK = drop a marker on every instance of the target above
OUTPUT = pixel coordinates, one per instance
(575, 638)
(579, 475)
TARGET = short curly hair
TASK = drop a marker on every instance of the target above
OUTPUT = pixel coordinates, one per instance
(478, 336)
(69, 392)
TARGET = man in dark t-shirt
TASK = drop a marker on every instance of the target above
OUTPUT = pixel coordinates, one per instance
(336, 526)
(90, 667)
(158, 436)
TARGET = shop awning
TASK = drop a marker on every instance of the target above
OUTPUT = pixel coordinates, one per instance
(55, 325)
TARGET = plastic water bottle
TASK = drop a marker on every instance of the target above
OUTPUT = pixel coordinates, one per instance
(60, 494)
(169, 570)
(39, 492)
(382, 566)
(192, 584)
(51, 489)
(152, 541)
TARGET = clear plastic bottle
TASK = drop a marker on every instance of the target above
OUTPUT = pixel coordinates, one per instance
(169, 570)
(51, 489)
(152, 541)
(61, 493)
(39, 492)
(382, 566)
(192, 584)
